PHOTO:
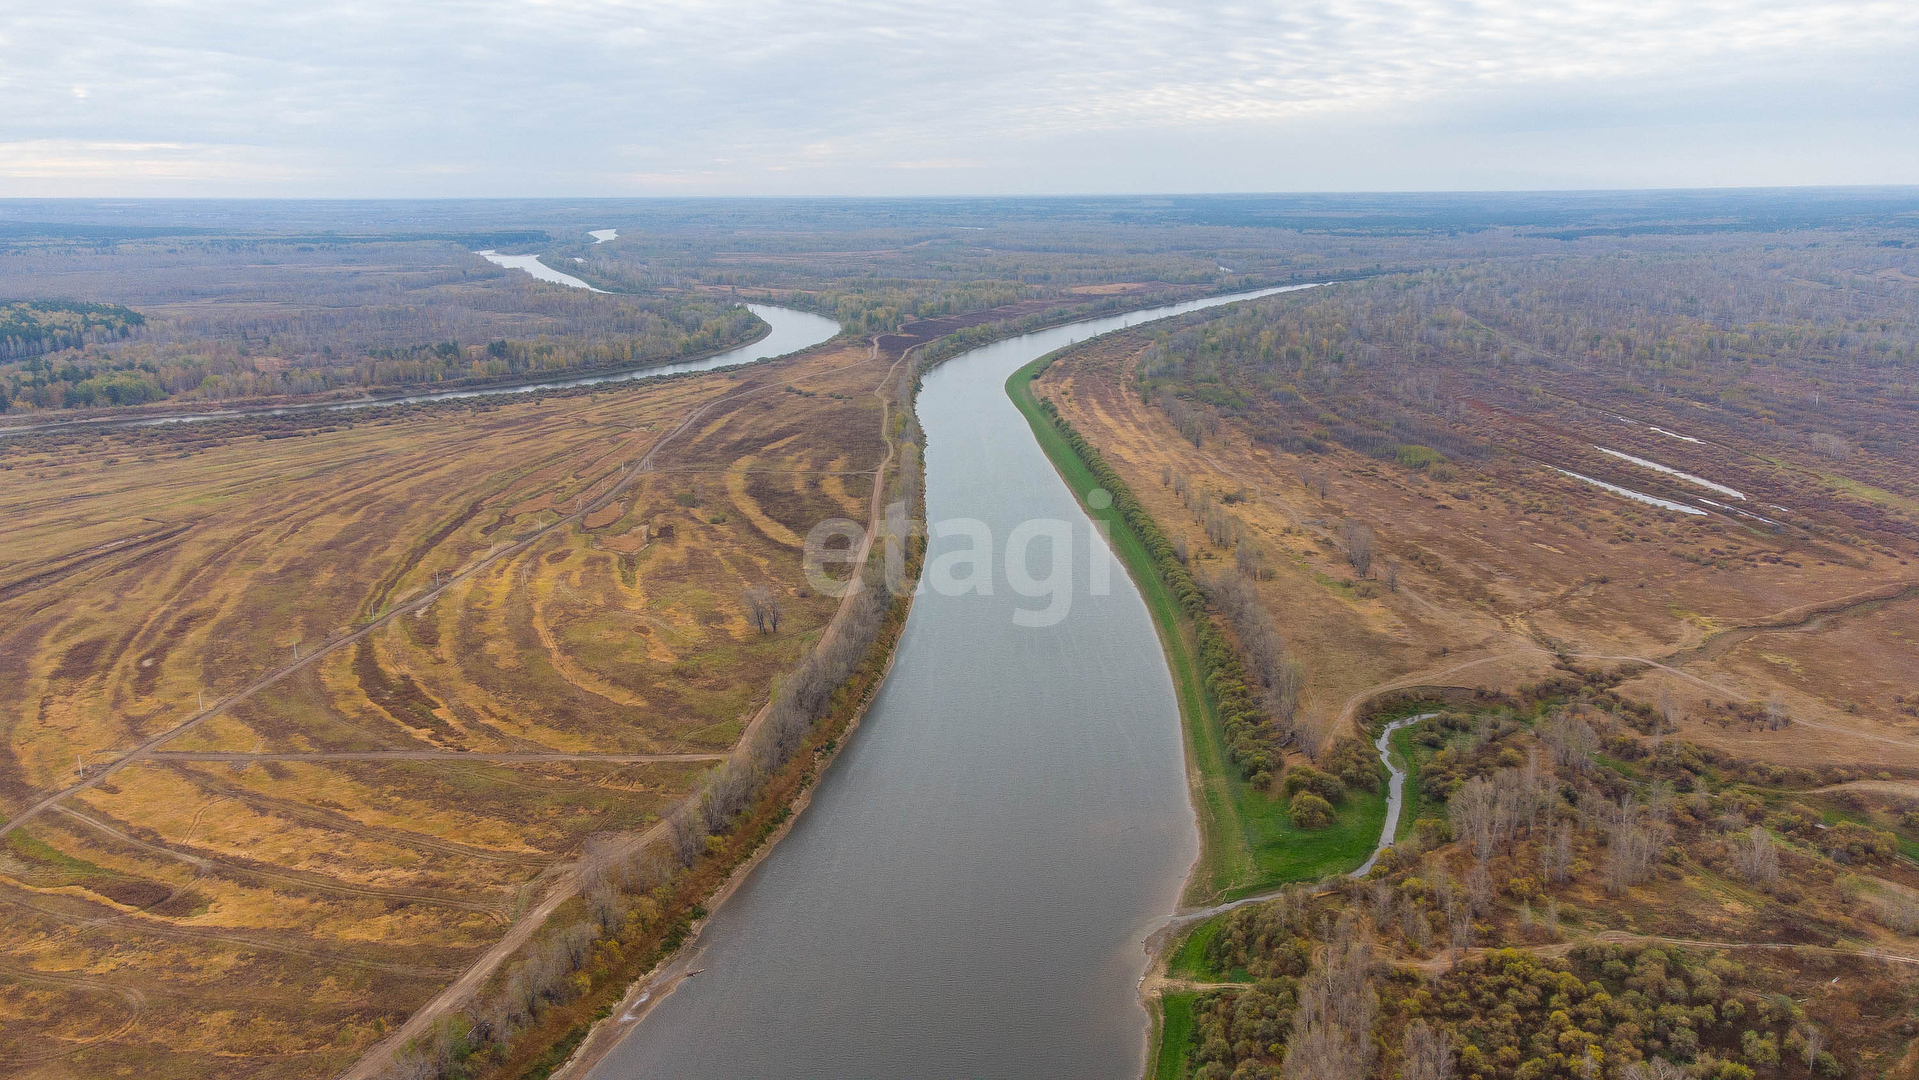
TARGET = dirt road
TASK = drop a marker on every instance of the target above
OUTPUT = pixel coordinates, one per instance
(566, 880)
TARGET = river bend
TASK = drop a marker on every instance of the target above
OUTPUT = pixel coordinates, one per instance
(791, 331)
(969, 893)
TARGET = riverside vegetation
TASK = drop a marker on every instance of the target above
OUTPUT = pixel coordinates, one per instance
(1341, 506)
(1654, 711)
(347, 840)
(1586, 901)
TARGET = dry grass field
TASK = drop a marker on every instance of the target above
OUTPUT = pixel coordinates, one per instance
(1504, 565)
(270, 890)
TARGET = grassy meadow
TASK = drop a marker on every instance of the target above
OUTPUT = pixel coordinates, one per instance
(272, 890)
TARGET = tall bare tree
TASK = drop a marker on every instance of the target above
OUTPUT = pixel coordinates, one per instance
(1359, 548)
(1425, 1054)
(762, 608)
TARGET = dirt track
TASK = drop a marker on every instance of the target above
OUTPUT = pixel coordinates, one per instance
(567, 883)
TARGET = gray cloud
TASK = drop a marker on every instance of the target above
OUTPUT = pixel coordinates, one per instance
(775, 96)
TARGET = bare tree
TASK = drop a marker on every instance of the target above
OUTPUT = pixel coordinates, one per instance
(753, 599)
(1250, 560)
(1479, 887)
(1667, 721)
(1461, 932)
(1332, 1027)
(1425, 1054)
(1632, 847)
(1756, 857)
(1279, 677)
(762, 608)
(1391, 575)
(1359, 548)
(1572, 740)
(1556, 852)
(1777, 715)
(1831, 446)
(687, 834)
(1472, 810)
(1815, 1044)
(1654, 1068)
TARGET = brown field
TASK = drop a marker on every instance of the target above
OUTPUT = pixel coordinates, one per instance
(1503, 563)
(295, 871)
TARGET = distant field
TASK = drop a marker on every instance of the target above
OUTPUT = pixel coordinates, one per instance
(248, 908)
(1500, 562)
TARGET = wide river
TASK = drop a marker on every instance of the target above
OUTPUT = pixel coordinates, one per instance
(970, 891)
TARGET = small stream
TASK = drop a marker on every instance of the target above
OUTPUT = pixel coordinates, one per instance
(1395, 789)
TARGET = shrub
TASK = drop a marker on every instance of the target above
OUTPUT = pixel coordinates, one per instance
(1308, 779)
(1849, 842)
(1309, 811)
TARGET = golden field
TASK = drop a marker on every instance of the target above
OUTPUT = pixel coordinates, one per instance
(1505, 566)
(558, 649)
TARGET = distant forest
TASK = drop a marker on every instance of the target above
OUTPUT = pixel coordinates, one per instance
(32, 327)
(218, 301)
(218, 320)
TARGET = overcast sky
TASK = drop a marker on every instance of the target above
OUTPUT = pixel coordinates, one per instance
(776, 97)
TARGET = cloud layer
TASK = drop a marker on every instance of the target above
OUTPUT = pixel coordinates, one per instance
(437, 97)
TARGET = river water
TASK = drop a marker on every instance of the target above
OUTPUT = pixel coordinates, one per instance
(532, 265)
(971, 889)
(791, 331)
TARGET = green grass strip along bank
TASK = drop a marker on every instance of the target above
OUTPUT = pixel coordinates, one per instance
(1175, 1031)
(1225, 858)
(1248, 842)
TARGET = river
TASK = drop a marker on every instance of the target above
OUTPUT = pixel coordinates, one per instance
(532, 265)
(792, 331)
(970, 891)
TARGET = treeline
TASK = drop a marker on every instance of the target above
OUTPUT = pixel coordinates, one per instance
(288, 320)
(1252, 363)
(1324, 1007)
(1254, 736)
(1534, 815)
(883, 306)
(100, 377)
(639, 904)
(32, 327)
(1809, 346)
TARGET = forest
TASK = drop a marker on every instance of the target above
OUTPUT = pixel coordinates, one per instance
(217, 320)
(1540, 921)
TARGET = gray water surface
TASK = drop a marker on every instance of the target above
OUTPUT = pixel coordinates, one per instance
(532, 265)
(970, 891)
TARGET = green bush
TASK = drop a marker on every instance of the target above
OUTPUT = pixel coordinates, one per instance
(1307, 778)
(1309, 811)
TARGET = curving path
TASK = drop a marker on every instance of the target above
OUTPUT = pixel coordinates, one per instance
(1395, 790)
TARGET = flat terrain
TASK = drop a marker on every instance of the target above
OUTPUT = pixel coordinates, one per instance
(1503, 563)
(559, 647)
(1671, 723)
